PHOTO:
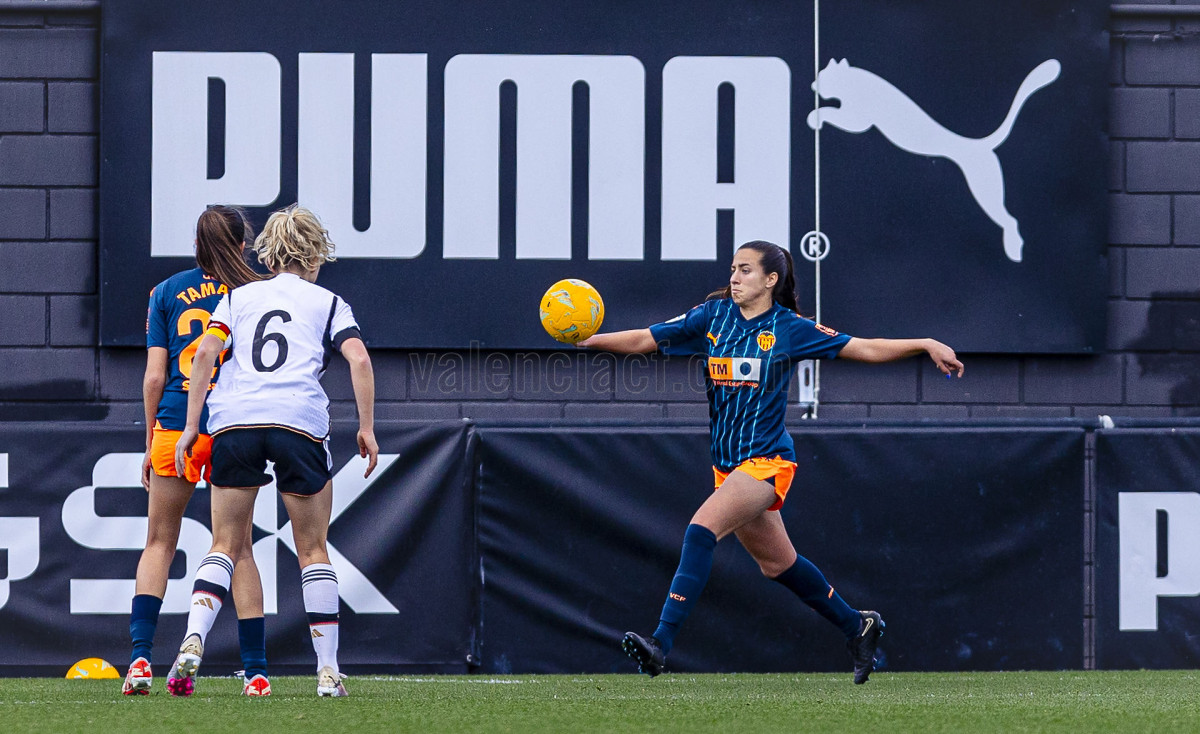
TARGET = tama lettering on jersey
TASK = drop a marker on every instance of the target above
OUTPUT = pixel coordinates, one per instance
(206, 289)
(176, 320)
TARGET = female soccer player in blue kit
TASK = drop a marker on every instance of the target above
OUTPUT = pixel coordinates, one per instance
(179, 311)
(752, 332)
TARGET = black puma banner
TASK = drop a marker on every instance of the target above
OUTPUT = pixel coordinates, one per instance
(466, 155)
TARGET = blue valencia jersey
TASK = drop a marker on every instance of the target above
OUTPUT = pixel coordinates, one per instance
(749, 370)
(180, 307)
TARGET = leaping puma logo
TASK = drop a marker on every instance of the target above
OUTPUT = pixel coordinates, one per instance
(868, 100)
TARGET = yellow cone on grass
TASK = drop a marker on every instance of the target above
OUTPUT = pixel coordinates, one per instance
(90, 668)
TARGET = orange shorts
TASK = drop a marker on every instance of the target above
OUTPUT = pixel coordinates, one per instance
(162, 455)
(778, 471)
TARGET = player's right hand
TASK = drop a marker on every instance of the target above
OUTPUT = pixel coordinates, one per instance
(183, 448)
(146, 469)
(367, 447)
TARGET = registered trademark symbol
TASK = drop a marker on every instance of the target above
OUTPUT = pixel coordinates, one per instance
(814, 246)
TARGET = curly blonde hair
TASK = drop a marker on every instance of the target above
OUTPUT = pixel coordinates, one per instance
(294, 236)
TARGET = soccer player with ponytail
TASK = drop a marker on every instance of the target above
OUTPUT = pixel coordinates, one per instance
(752, 333)
(269, 407)
(179, 311)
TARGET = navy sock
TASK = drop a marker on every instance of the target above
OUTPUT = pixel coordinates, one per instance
(143, 620)
(252, 637)
(807, 582)
(695, 563)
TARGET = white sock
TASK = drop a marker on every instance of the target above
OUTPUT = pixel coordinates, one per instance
(320, 588)
(208, 593)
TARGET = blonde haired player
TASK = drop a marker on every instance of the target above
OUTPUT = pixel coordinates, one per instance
(269, 406)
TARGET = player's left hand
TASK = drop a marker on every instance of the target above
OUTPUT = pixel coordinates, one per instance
(943, 356)
(367, 447)
(146, 469)
(183, 448)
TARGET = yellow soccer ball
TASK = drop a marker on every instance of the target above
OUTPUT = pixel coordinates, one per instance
(571, 311)
(92, 668)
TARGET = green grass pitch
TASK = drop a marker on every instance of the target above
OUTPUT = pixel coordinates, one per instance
(1139, 701)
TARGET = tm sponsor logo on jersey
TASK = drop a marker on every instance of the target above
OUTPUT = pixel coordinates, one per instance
(735, 371)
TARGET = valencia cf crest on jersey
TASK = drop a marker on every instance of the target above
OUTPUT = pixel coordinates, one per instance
(766, 340)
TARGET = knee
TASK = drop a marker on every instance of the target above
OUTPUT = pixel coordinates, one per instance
(775, 565)
(310, 554)
(771, 569)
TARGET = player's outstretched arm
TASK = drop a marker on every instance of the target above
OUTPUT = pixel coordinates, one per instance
(362, 378)
(889, 350)
(634, 341)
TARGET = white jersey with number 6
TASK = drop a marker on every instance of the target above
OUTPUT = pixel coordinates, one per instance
(281, 333)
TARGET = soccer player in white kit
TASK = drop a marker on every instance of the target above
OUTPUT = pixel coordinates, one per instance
(269, 406)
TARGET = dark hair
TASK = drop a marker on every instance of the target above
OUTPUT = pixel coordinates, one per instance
(221, 232)
(775, 259)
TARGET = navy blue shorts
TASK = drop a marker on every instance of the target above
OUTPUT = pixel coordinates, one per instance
(303, 465)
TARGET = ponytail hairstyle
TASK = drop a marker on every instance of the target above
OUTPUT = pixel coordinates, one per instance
(294, 237)
(221, 234)
(775, 259)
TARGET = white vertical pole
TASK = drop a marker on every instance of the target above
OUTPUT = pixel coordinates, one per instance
(817, 188)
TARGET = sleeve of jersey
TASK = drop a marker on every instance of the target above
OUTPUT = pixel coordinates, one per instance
(156, 323)
(810, 340)
(344, 326)
(218, 323)
(684, 334)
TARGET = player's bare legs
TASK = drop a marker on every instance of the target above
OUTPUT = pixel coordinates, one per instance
(247, 584)
(740, 499)
(232, 518)
(232, 511)
(169, 497)
(310, 523)
(767, 541)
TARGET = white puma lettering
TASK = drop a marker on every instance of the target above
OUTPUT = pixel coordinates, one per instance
(868, 100)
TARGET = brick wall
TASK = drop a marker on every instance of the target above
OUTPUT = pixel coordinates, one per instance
(48, 162)
(50, 367)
